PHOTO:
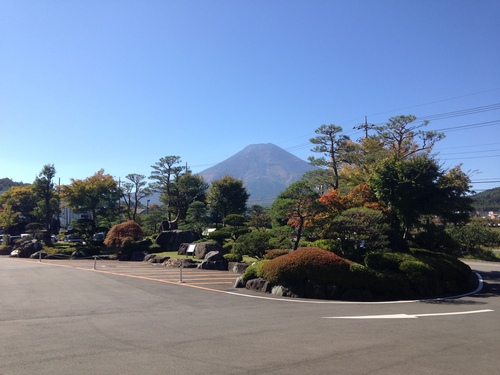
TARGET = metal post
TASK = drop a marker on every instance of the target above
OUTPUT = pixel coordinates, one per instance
(95, 261)
(40, 256)
(180, 274)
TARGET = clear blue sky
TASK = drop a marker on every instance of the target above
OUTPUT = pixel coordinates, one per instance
(91, 84)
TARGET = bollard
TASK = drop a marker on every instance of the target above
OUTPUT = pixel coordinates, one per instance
(40, 256)
(180, 275)
(95, 261)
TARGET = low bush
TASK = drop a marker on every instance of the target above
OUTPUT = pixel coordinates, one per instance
(233, 257)
(253, 271)
(310, 263)
(272, 254)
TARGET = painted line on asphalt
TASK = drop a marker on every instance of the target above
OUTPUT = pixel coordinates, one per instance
(407, 316)
(297, 300)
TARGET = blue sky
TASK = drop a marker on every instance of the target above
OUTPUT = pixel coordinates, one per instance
(117, 85)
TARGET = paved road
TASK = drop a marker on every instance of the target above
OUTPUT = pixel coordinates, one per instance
(59, 318)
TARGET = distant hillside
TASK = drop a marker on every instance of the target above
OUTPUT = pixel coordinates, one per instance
(488, 200)
(265, 169)
(7, 183)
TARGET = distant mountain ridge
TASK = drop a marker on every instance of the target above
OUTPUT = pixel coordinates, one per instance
(265, 169)
(488, 200)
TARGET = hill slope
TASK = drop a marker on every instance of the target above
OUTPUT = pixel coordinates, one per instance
(488, 200)
(265, 169)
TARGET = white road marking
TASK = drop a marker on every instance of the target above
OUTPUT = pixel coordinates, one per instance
(407, 316)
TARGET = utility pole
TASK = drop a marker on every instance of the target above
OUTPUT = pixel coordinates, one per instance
(365, 126)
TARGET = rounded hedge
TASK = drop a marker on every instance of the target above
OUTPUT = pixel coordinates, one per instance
(310, 263)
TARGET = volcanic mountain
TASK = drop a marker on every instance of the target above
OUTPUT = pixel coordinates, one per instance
(265, 169)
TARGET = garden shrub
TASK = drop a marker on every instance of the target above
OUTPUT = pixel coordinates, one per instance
(422, 278)
(327, 244)
(360, 277)
(385, 261)
(233, 257)
(254, 244)
(121, 234)
(307, 263)
(154, 248)
(272, 254)
(253, 271)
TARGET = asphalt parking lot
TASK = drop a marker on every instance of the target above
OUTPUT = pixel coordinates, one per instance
(60, 317)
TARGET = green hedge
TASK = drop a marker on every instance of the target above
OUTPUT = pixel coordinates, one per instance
(253, 271)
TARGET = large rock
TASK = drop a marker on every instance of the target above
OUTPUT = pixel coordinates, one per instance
(203, 248)
(29, 247)
(214, 260)
(171, 240)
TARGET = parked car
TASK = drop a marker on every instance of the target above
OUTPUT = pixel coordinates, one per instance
(73, 238)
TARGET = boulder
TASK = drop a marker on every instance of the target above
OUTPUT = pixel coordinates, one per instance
(238, 267)
(258, 285)
(214, 260)
(203, 248)
(171, 240)
(81, 253)
(239, 282)
(27, 248)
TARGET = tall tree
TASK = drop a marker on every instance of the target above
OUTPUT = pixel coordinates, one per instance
(227, 196)
(48, 197)
(22, 199)
(417, 186)
(133, 192)
(405, 138)
(190, 188)
(334, 146)
(166, 173)
(98, 194)
(296, 206)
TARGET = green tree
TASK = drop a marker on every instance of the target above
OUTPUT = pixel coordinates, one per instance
(405, 138)
(98, 194)
(8, 218)
(48, 198)
(334, 146)
(359, 231)
(296, 206)
(190, 188)
(415, 187)
(154, 217)
(133, 192)
(197, 217)
(165, 175)
(227, 196)
(258, 218)
(22, 199)
(473, 236)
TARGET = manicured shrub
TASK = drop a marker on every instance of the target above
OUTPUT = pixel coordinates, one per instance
(253, 244)
(154, 248)
(121, 234)
(272, 254)
(360, 277)
(386, 261)
(254, 271)
(422, 278)
(233, 257)
(307, 263)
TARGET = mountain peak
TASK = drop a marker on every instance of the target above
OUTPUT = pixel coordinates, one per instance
(265, 169)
